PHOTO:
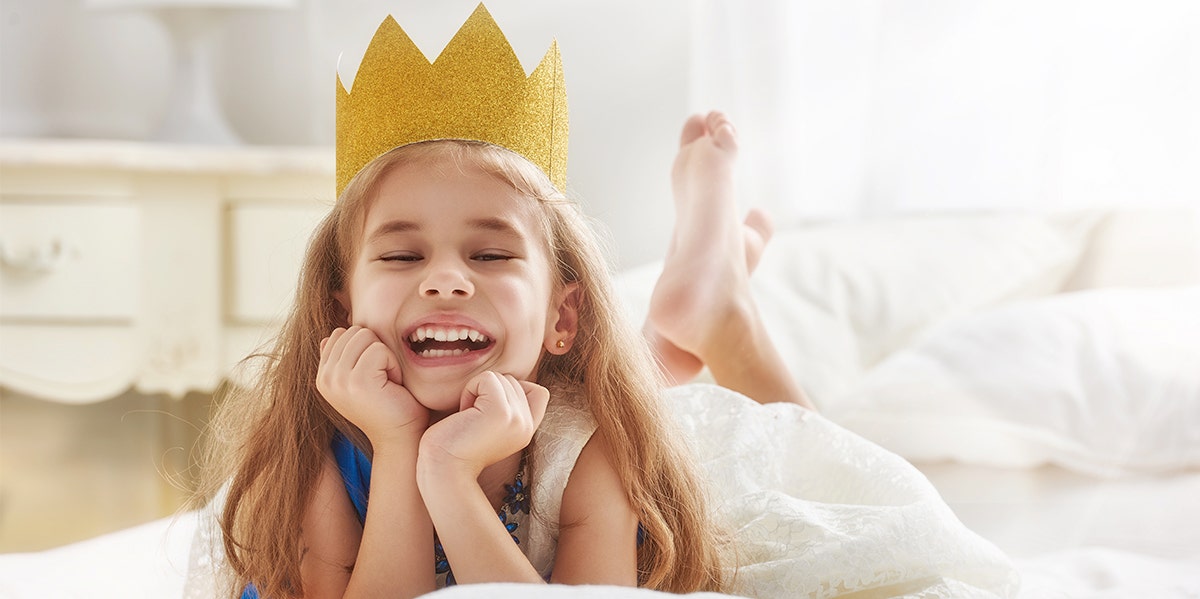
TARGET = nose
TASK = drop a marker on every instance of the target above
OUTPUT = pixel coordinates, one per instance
(447, 278)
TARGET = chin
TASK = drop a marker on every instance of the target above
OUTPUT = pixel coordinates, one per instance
(440, 399)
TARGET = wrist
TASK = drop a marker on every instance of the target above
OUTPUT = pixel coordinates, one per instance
(438, 471)
(397, 442)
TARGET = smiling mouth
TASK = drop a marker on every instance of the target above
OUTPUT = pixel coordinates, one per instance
(441, 342)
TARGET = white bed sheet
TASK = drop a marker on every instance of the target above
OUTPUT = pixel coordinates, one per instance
(148, 561)
(1071, 536)
(1079, 536)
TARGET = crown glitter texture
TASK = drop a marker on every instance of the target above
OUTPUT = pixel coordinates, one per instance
(476, 89)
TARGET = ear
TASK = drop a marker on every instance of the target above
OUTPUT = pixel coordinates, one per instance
(562, 323)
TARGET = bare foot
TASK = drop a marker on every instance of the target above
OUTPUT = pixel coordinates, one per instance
(705, 273)
(678, 365)
(702, 312)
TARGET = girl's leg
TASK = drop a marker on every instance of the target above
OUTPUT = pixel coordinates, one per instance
(679, 366)
(702, 312)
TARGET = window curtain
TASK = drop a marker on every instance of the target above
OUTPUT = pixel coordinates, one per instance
(861, 108)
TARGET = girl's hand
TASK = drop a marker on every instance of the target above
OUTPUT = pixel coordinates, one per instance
(497, 417)
(360, 377)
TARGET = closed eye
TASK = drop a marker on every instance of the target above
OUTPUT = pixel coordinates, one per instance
(491, 257)
(400, 258)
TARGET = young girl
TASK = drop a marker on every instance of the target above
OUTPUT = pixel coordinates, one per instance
(456, 351)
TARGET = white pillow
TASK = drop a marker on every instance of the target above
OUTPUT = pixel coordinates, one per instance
(1141, 248)
(1102, 381)
(839, 297)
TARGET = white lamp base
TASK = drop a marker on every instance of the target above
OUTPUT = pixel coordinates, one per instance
(193, 114)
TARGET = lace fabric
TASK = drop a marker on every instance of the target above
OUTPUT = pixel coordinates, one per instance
(556, 446)
(817, 511)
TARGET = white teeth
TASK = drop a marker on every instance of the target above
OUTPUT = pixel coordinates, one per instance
(449, 335)
(442, 353)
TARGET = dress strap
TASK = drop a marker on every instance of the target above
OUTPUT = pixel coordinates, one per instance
(565, 430)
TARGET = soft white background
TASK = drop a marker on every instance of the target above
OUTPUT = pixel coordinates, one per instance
(847, 108)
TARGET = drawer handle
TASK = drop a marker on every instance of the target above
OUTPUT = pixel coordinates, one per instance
(35, 261)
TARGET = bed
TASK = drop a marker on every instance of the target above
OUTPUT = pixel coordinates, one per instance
(1041, 372)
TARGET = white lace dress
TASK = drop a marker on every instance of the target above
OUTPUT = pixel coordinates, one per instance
(818, 511)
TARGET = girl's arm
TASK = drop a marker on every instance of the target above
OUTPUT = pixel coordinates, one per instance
(497, 417)
(475, 541)
(597, 543)
(598, 539)
(395, 558)
(392, 554)
(329, 536)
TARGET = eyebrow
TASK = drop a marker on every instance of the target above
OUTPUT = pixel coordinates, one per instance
(496, 225)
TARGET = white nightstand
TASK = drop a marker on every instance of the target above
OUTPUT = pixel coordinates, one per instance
(150, 267)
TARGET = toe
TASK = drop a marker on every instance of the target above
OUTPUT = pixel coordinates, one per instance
(722, 130)
(760, 222)
(756, 232)
(693, 129)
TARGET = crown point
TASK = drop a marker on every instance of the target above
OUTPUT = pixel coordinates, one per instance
(475, 89)
(481, 45)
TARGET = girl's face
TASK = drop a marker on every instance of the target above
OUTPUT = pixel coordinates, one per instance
(453, 276)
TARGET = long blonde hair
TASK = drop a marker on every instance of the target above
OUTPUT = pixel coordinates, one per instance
(272, 439)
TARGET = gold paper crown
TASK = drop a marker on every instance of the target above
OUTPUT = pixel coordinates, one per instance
(476, 89)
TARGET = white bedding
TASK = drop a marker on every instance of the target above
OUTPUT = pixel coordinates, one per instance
(1090, 478)
(148, 561)
(1074, 535)
(1105, 573)
(1105, 381)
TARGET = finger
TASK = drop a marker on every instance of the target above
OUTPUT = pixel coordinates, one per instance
(328, 343)
(325, 369)
(357, 345)
(513, 394)
(338, 343)
(394, 373)
(519, 404)
(378, 358)
(538, 397)
(482, 388)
